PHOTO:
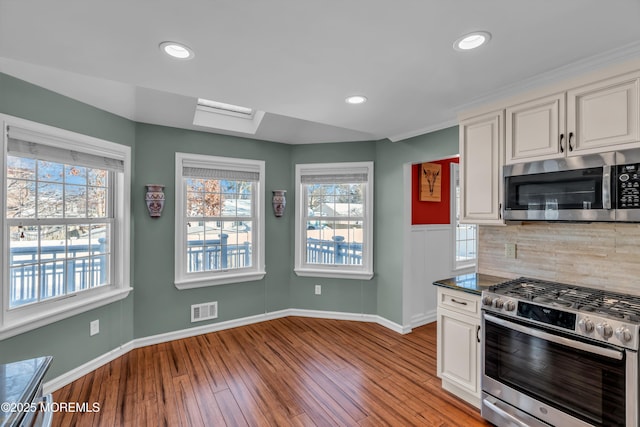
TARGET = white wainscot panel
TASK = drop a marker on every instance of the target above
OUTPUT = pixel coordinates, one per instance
(430, 260)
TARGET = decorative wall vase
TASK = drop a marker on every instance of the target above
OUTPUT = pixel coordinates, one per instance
(155, 199)
(279, 201)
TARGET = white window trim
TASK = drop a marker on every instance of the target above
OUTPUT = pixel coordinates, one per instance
(23, 319)
(363, 272)
(212, 278)
(458, 265)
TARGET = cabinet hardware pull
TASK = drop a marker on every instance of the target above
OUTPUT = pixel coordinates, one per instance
(458, 302)
(499, 210)
(570, 138)
(561, 138)
(478, 333)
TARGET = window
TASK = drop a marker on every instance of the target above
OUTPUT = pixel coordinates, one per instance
(219, 220)
(65, 228)
(465, 241)
(334, 220)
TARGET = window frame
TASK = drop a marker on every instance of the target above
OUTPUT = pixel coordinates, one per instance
(20, 319)
(341, 271)
(455, 223)
(184, 280)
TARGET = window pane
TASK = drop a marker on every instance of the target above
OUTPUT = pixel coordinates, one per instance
(21, 199)
(195, 203)
(97, 203)
(53, 260)
(24, 274)
(50, 171)
(75, 175)
(229, 205)
(75, 205)
(97, 177)
(20, 167)
(218, 245)
(212, 197)
(50, 197)
(334, 242)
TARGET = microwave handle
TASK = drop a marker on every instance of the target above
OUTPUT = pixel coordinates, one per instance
(606, 187)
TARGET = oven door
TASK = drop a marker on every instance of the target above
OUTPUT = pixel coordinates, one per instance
(555, 377)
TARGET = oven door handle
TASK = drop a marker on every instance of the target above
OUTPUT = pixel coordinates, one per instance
(579, 345)
(504, 415)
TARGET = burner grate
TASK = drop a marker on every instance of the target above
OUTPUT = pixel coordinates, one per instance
(613, 304)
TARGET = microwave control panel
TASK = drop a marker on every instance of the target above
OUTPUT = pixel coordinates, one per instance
(628, 186)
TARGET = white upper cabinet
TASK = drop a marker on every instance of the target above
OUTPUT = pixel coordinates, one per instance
(597, 117)
(536, 129)
(481, 161)
(604, 115)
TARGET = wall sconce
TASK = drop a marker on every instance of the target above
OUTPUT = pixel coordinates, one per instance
(279, 201)
(155, 199)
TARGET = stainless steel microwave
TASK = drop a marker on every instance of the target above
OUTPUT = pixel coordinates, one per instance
(597, 187)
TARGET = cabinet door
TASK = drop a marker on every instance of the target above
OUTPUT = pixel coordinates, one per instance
(535, 129)
(481, 160)
(604, 115)
(458, 350)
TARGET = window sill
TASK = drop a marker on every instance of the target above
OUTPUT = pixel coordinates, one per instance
(69, 309)
(334, 273)
(218, 279)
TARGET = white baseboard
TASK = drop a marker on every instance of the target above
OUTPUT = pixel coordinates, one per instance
(82, 370)
(428, 317)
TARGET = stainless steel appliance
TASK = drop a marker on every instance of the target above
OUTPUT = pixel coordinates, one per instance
(559, 355)
(597, 187)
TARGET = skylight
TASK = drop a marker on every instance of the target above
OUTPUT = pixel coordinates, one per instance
(227, 117)
(223, 108)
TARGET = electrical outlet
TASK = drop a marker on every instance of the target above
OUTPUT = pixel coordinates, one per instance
(510, 250)
(94, 327)
(318, 289)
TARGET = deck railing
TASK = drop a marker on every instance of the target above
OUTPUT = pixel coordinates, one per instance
(335, 251)
(77, 267)
(55, 270)
(217, 254)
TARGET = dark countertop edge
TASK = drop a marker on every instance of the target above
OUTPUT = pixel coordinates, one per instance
(473, 283)
(31, 389)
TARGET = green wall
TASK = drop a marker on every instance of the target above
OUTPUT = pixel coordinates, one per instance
(156, 306)
(342, 295)
(159, 306)
(389, 228)
(68, 340)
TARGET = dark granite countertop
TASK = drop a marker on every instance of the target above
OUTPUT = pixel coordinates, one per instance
(20, 383)
(473, 283)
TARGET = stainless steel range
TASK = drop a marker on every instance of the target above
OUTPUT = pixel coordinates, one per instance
(560, 355)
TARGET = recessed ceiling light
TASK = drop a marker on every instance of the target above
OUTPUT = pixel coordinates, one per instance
(472, 40)
(356, 99)
(177, 50)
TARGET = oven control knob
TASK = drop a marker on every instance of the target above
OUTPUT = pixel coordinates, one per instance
(498, 303)
(487, 300)
(604, 330)
(623, 334)
(510, 306)
(586, 325)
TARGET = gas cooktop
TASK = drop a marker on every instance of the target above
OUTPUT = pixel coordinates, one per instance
(598, 314)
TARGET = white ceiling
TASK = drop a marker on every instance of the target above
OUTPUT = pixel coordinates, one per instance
(297, 60)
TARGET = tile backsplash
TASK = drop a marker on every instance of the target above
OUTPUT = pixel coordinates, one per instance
(599, 255)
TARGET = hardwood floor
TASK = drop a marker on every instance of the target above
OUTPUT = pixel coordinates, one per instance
(287, 372)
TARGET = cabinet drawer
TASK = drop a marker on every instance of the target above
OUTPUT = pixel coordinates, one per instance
(459, 301)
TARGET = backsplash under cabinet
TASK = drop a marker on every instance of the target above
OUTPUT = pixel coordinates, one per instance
(599, 255)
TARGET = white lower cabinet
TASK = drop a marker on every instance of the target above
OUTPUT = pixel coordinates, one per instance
(458, 358)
